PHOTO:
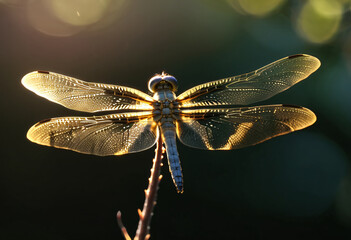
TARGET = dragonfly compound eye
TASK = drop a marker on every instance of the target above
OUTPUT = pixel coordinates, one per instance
(153, 83)
(172, 81)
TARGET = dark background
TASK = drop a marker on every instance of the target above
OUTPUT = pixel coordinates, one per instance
(296, 186)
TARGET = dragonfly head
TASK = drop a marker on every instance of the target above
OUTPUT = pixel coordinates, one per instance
(162, 81)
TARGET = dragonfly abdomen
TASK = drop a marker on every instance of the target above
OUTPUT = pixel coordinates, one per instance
(169, 139)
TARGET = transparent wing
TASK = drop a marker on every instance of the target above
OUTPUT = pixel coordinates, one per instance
(254, 86)
(113, 134)
(85, 96)
(232, 128)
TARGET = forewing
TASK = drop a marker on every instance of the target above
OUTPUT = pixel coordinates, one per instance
(85, 96)
(254, 86)
(232, 128)
(113, 134)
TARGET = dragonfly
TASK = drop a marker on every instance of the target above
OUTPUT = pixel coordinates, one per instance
(215, 115)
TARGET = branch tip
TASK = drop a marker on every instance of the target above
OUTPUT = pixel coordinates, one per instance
(141, 216)
(121, 226)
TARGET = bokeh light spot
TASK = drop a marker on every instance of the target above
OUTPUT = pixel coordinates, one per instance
(327, 7)
(255, 7)
(62, 18)
(79, 12)
(41, 17)
(316, 26)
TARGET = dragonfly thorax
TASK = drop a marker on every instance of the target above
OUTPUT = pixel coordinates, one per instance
(165, 106)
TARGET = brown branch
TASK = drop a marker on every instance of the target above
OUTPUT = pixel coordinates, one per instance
(142, 232)
(150, 195)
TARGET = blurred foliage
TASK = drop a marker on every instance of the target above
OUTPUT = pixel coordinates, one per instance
(295, 187)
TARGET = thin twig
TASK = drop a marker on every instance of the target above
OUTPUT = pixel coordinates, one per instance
(121, 226)
(150, 195)
(142, 232)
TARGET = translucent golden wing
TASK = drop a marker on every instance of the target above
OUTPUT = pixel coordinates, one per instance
(254, 86)
(85, 96)
(113, 134)
(232, 128)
